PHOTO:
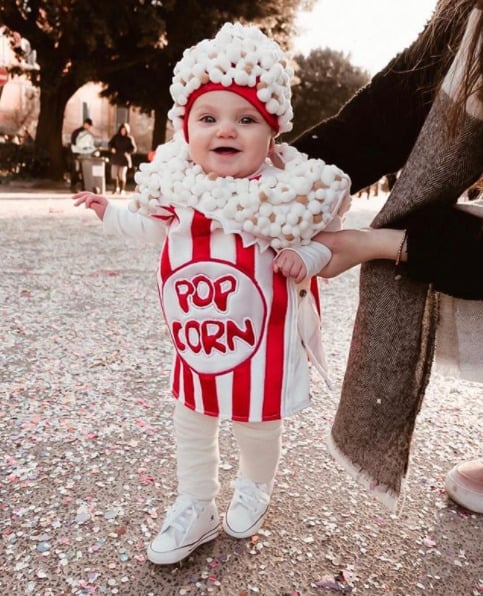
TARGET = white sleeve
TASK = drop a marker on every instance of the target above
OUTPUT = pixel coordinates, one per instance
(119, 221)
(314, 255)
(337, 222)
(334, 225)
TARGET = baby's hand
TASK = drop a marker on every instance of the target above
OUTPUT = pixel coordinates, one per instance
(97, 203)
(290, 264)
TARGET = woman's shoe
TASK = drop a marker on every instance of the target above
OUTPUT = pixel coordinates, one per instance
(464, 484)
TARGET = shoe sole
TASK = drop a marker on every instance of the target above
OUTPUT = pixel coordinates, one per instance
(181, 553)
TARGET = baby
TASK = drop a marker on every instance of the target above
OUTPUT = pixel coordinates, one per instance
(242, 327)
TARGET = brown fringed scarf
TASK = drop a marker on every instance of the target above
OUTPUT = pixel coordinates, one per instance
(393, 339)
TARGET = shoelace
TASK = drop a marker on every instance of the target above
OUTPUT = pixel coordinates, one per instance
(182, 512)
(248, 494)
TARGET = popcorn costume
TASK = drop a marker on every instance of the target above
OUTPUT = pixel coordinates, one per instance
(242, 334)
(242, 358)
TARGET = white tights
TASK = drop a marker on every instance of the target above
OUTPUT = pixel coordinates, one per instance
(198, 455)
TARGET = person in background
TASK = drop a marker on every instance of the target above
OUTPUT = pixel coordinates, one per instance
(424, 113)
(242, 331)
(121, 147)
(81, 143)
(82, 138)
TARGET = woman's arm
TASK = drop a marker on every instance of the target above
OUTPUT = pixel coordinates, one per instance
(441, 246)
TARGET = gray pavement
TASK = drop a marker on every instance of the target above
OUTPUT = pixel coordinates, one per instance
(87, 454)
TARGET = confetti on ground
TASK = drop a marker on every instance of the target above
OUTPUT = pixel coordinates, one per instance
(335, 583)
(87, 466)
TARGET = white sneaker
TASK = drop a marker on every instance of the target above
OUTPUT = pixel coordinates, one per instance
(247, 509)
(188, 524)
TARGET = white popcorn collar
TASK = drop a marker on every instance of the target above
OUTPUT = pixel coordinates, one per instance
(277, 208)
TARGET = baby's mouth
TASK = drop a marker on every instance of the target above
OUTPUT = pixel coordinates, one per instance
(226, 150)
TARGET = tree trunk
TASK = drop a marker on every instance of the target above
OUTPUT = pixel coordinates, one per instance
(48, 151)
(160, 118)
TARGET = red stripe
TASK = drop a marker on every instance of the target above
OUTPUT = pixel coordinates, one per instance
(275, 349)
(245, 260)
(165, 262)
(314, 288)
(189, 393)
(209, 395)
(165, 270)
(175, 384)
(201, 235)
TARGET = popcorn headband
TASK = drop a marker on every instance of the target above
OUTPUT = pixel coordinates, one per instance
(240, 59)
(248, 93)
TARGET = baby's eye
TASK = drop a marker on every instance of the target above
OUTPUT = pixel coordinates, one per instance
(208, 119)
(247, 120)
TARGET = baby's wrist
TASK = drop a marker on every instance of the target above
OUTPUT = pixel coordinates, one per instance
(314, 255)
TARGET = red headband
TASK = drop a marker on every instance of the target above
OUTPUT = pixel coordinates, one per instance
(248, 93)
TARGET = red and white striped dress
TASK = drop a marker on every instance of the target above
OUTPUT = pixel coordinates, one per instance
(233, 322)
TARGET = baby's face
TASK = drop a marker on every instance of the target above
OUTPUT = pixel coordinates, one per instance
(227, 134)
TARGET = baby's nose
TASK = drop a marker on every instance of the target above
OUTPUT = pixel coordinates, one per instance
(226, 129)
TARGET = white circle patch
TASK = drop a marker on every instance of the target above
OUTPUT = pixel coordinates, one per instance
(216, 315)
